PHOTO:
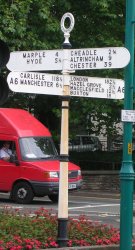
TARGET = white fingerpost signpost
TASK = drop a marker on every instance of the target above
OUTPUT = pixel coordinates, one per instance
(64, 158)
(23, 79)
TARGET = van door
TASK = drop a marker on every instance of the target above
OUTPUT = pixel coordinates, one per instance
(9, 172)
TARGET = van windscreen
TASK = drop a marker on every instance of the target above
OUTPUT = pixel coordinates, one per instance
(37, 148)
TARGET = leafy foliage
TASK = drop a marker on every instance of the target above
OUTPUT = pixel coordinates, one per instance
(35, 25)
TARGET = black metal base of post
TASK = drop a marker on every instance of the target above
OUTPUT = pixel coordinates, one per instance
(67, 45)
(62, 232)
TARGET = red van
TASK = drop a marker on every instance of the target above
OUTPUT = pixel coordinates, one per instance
(33, 168)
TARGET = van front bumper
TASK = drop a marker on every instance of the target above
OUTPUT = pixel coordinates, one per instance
(46, 188)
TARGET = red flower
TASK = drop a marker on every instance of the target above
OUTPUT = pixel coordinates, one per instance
(99, 242)
(53, 244)
(29, 247)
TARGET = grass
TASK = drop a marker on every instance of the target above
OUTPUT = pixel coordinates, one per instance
(21, 231)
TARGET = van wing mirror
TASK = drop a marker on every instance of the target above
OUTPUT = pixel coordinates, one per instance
(13, 159)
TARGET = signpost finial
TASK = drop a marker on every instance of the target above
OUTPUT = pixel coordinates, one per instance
(67, 30)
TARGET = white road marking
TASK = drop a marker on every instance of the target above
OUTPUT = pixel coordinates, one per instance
(107, 214)
(9, 207)
(94, 206)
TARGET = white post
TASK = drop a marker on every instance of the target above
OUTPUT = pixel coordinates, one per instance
(63, 179)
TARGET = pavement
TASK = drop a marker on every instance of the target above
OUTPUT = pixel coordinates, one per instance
(107, 247)
(100, 194)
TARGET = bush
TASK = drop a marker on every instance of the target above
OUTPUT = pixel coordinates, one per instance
(98, 160)
(21, 231)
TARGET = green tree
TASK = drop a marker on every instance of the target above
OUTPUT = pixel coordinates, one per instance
(35, 25)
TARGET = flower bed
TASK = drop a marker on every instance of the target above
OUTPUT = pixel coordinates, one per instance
(21, 231)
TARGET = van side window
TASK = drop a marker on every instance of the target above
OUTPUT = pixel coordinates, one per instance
(7, 149)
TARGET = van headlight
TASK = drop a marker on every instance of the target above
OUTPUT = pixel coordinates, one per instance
(48, 174)
(79, 172)
(53, 174)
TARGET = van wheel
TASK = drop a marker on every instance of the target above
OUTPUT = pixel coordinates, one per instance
(53, 197)
(22, 193)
